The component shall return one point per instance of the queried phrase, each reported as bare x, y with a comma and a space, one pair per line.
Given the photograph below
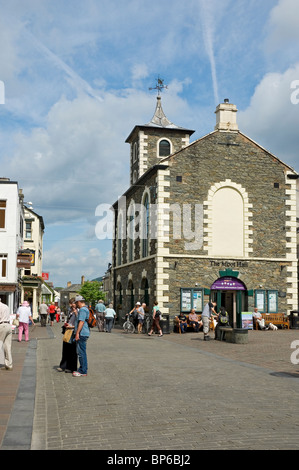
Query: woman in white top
109, 317
24, 315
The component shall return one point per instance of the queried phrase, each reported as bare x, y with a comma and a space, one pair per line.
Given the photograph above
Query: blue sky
77, 78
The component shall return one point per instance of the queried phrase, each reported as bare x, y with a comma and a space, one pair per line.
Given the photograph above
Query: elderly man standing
43, 311
81, 336
5, 335
100, 316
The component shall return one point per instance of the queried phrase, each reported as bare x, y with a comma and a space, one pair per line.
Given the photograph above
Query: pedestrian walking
82, 334
5, 335
156, 319
134, 313
207, 314
24, 316
52, 309
141, 313
100, 316
109, 317
57, 314
43, 312
69, 357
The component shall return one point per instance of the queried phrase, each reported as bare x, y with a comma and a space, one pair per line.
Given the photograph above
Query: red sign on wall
45, 276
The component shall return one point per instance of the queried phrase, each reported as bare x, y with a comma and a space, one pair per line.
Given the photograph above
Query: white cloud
272, 119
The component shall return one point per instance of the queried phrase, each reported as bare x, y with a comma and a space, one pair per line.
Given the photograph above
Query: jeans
183, 327
82, 356
109, 324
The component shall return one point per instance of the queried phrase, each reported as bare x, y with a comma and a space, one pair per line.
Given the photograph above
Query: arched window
135, 152
131, 232
228, 223
119, 239
164, 148
134, 176
145, 226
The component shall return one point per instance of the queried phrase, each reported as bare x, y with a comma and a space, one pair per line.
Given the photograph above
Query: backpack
91, 321
223, 319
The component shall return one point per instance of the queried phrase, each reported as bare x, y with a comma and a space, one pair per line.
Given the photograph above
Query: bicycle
128, 325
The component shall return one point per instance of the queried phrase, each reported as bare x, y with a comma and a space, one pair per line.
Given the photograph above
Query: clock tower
151, 142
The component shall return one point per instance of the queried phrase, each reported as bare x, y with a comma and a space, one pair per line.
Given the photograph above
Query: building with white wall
11, 241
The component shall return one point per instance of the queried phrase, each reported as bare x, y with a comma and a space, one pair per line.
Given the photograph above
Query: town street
166, 394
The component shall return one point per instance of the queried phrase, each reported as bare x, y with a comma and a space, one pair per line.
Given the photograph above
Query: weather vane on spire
160, 85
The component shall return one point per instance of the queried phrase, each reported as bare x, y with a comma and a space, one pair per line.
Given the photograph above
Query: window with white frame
3, 266
28, 232
2, 213
164, 148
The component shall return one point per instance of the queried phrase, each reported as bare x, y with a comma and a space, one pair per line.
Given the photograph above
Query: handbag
68, 336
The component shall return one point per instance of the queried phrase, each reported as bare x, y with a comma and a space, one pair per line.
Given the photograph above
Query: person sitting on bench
222, 320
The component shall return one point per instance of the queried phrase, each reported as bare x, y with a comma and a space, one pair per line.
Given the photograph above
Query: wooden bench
189, 326
275, 318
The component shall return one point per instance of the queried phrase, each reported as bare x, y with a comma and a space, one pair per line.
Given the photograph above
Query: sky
75, 79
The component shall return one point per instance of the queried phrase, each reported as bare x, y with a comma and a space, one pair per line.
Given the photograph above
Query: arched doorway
231, 293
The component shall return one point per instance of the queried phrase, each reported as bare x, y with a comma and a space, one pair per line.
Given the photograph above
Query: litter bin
294, 319
164, 323
240, 336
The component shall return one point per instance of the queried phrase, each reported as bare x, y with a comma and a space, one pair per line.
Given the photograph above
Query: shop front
230, 293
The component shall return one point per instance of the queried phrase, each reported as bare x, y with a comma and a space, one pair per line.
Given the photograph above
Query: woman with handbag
156, 320
69, 358
24, 316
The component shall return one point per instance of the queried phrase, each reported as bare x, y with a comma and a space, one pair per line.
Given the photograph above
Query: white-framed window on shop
3, 266
2, 213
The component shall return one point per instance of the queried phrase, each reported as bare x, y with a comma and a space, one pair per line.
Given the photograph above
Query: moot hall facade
214, 219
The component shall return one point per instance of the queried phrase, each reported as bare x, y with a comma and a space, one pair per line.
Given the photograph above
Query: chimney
226, 117
69, 284
82, 280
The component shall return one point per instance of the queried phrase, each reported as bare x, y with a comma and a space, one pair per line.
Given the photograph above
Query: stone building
212, 219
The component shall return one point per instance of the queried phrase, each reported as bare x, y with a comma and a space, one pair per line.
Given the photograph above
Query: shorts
206, 324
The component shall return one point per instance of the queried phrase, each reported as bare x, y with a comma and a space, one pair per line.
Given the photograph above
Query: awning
228, 283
